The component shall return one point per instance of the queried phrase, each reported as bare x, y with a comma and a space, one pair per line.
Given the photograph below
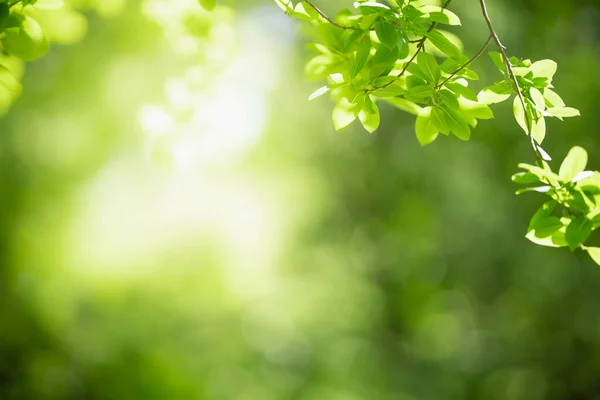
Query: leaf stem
511, 75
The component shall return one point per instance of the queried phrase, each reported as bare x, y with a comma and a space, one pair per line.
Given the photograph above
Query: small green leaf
578, 231
457, 124
538, 98
425, 128
563, 112
443, 44
538, 130
437, 115
544, 68
343, 114
553, 99
369, 115
574, 163
429, 67
462, 90
387, 34
404, 105
448, 99
360, 59
496, 93
525, 177
497, 60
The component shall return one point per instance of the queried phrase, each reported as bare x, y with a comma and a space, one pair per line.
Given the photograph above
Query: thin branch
475, 57
326, 18
511, 75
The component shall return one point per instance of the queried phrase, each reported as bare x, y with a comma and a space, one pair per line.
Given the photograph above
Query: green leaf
538, 98
519, 113
448, 99
538, 129
578, 231
563, 112
525, 178
27, 42
543, 174
462, 90
386, 55
404, 105
457, 124
425, 128
544, 68
360, 59
475, 109
574, 163
553, 99
209, 5
387, 34
443, 44
369, 115
420, 92
343, 114
437, 115
594, 252
496, 93
498, 61
429, 67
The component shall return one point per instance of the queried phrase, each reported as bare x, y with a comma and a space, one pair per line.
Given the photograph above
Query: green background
301, 263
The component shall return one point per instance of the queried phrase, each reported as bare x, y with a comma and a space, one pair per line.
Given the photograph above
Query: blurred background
178, 222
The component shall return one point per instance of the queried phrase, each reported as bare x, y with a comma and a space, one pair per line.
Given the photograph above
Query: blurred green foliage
178, 222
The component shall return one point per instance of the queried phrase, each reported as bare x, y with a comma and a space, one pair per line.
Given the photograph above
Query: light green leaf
563, 112
360, 59
544, 68
425, 128
538, 130
429, 67
574, 163
553, 99
369, 115
343, 114
437, 115
404, 105
458, 126
443, 44
538, 98
475, 109
519, 113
